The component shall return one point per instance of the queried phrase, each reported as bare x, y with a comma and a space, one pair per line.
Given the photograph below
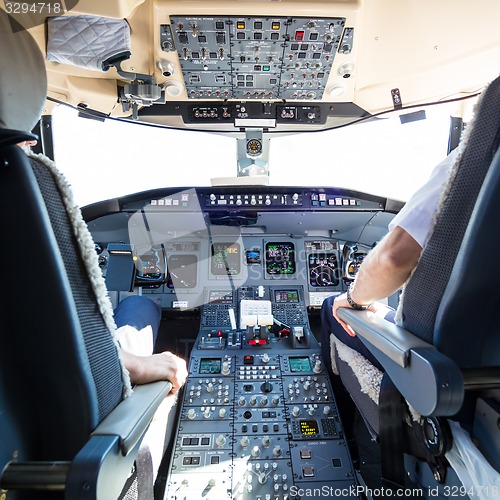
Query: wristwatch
353, 304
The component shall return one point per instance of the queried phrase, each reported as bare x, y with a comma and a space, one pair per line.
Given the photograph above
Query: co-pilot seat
445, 361
68, 425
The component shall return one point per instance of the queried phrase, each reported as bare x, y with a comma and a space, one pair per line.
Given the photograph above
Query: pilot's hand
341, 301
162, 366
168, 366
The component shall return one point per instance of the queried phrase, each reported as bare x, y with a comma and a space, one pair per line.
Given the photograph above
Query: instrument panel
187, 239
175, 276
258, 418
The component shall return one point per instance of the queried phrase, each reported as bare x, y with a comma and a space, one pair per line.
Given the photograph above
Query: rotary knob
276, 400
242, 401
262, 478
266, 387
307, 384
244, 441
266, 441
253, 400
210, 387
264, 401
317, 366
220, 440
191, 414
326, 410
296, 411
277, 451
255, 452
222, 412
265, 358
207, 413
225, 368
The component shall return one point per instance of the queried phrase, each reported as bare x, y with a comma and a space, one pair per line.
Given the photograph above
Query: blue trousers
330, 325
139, 312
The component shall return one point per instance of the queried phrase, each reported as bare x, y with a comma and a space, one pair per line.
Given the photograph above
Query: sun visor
89, 42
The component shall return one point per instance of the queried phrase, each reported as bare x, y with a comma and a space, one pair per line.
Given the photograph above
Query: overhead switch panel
256, 57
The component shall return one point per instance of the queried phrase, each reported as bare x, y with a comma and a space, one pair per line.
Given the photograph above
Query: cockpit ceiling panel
251, 57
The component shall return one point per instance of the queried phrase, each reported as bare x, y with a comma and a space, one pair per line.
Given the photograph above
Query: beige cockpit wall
428, 50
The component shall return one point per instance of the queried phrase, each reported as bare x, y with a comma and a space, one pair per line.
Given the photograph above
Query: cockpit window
103, 160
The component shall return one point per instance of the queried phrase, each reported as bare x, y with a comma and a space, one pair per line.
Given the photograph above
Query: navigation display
323, 269
286, 296
280, 258
225, 259
220, 297
182, 271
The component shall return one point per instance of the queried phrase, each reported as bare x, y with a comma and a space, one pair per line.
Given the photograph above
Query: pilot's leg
139, 312
330, 325
138, 321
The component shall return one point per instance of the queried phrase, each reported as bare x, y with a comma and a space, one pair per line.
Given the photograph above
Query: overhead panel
256, 57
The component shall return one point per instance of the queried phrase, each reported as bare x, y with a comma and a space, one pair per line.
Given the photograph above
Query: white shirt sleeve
418, 213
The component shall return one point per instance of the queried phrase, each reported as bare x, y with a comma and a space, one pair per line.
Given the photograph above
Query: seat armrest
130, 419
394, 341
411, 363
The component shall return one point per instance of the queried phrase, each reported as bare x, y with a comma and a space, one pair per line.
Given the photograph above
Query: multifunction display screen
286, 296
280, 258
252, 256
225, 259
220, 297
210, 366
300, 365
323, 269
309, 427
182, 271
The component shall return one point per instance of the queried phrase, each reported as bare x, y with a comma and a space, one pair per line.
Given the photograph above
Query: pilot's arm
389, 265
384, 271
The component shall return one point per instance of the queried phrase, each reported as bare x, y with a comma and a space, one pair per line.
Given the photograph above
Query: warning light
266, 68
299, 36
276, 26
240, 25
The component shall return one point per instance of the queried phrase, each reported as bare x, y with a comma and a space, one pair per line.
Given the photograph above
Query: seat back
424, 291
60, 373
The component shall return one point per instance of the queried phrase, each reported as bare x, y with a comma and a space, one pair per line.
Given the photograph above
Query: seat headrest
23, 79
